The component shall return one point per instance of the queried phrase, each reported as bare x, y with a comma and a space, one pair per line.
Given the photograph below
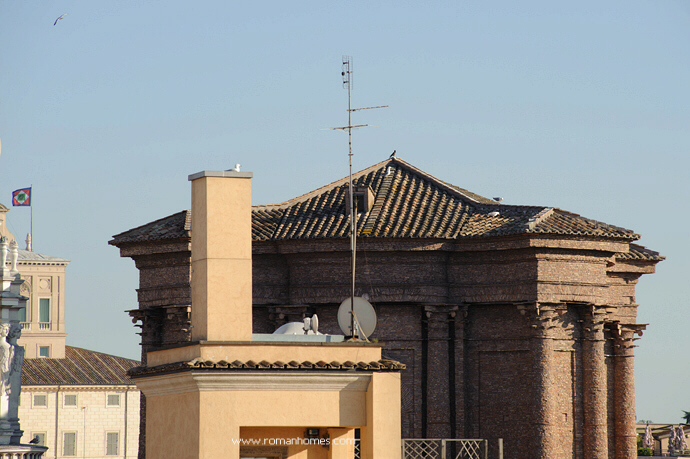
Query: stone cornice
192, 381
77, 388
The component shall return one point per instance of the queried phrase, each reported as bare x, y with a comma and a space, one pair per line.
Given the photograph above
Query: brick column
459, 389
438, 366
545, 436
594, 386
624, 394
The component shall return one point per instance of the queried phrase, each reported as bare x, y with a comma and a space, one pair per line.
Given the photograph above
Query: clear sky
583, 106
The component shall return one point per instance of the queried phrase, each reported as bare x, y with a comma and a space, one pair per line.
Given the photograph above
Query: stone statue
17, 359
6, 359
11, 356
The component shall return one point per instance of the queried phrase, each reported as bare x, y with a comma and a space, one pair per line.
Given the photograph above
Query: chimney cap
229, 173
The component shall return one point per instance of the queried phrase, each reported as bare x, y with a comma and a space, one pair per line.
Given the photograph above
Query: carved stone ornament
45, 284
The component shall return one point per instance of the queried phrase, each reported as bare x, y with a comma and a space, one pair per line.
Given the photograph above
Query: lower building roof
80, 367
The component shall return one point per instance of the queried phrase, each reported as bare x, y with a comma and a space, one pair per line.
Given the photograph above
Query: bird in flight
59, 18
393, 154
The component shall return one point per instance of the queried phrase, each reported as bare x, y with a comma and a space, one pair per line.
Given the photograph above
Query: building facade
79, 403
43, 321
514, 322
82, 405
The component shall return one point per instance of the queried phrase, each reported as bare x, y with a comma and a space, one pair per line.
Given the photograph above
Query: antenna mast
347, 84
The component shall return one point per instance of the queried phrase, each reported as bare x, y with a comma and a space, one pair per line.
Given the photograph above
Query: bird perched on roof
236, 168
59, 18
35, 440
392, 154
497, 199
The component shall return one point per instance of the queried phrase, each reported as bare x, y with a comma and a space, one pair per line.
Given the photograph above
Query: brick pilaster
546, 438
438, 370
595, 397
459, 353
624, 393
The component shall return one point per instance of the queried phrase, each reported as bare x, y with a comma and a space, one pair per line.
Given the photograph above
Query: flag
21, 197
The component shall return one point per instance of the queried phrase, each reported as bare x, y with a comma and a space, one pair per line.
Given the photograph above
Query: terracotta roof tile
79, 367
174, 226
408, 203
197, 364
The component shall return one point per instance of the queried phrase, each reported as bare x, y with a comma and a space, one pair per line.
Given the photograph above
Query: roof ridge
538, 218
445, 185
381, 196
316, 192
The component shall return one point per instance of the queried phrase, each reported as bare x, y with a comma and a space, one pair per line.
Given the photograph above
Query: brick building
514, 322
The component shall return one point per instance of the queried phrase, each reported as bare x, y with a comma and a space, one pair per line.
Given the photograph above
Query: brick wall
494, 332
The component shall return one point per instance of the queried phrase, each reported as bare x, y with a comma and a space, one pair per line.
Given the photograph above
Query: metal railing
429, 448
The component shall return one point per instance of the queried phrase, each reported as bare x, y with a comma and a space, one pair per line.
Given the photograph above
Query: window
40, 400
69, 443
44, 310
41, 438
44, 351
113, 400
363, 198
22, 315
112, 443
70, 400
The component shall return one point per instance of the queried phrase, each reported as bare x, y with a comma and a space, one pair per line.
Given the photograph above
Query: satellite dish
364, 314
290, 328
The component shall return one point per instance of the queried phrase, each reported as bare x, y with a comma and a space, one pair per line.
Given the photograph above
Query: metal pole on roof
347, 75
347, 83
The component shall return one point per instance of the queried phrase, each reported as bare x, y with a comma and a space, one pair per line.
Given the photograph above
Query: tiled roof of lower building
28, 256
380, 365
407, 203
80, 367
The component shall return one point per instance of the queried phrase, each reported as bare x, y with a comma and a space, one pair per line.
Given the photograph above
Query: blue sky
581, 106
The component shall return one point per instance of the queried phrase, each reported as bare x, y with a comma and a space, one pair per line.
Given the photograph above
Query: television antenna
347, 84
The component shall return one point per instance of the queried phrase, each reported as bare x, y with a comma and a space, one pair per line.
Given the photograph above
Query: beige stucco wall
284, 352
222, 258
382, 431
97, 419
197, 414
172, 426
43, 280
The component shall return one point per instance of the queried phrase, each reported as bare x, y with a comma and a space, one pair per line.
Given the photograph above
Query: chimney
221, 256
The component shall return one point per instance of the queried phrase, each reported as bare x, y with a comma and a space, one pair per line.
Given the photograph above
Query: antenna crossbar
366, 108
345, 128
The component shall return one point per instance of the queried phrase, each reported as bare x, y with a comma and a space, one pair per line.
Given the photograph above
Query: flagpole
31, 225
